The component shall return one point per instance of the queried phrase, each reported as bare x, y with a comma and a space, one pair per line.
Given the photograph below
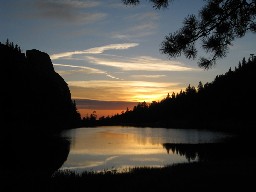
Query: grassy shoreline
196, 176
234, 174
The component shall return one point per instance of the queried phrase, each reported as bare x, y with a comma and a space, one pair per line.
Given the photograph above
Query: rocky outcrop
34, 97
39, 60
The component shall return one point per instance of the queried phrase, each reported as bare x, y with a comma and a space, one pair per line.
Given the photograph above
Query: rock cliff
33, 96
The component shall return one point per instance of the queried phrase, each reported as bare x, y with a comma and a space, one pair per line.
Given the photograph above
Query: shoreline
198, 176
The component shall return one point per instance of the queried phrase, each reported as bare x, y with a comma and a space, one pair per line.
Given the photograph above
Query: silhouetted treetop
217, 25
158, 4
11, 46
224, 103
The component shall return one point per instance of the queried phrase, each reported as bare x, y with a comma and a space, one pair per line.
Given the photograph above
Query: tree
200, 86
156, 3
7, 42
93, 116
218, 24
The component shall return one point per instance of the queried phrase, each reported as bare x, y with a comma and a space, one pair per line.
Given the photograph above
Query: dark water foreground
29, 160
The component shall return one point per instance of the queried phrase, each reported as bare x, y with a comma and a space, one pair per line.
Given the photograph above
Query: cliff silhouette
33, 96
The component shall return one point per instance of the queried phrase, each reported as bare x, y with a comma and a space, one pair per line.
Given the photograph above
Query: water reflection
230, 149
30, 159
118, 147
187, 150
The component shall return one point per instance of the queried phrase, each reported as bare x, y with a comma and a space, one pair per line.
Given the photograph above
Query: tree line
225, 103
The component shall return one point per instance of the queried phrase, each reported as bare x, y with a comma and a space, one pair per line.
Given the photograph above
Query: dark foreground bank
201, 176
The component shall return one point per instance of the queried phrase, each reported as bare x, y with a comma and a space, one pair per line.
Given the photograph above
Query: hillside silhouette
33, 96
227, 103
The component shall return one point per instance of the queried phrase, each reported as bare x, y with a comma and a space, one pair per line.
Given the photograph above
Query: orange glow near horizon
98, 93
111, 147
129, 91
99, 112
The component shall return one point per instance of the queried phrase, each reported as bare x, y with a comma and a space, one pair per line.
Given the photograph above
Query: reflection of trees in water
187, 150
29, 160
211, 151
150, 136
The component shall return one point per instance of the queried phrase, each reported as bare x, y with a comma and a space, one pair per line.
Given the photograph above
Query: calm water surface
120, 148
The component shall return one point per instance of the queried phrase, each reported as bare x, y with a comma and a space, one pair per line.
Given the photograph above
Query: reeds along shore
198, 176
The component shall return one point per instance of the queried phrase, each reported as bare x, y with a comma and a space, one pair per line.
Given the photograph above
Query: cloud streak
65, 4
148, 76
87, 70
68, 10
95, 50
135, 91
141, 63
144, 24
103, 105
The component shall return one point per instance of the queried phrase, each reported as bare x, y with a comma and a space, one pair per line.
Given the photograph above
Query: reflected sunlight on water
103, 148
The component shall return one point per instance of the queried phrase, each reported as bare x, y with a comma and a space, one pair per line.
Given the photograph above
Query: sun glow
100, 112
105, 142
148, 98
133, 91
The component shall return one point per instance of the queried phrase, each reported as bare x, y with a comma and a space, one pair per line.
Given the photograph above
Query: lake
121, 148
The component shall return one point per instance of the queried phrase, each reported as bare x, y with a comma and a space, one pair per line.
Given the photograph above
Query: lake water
121, 148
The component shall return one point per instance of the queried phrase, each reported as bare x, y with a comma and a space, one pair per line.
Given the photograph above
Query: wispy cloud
135, 91
68, 10
148, 76
144, 16
103, 105
144, 24
87, 69
95, 50
84, 69
65, 4
145, 63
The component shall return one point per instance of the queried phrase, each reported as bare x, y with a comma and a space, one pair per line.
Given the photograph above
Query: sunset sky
107, 52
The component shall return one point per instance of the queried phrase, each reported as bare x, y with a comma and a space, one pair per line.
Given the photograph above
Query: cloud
145, 63
143, 27
83, 69
149, 16
134, 91
68, 10
129, 36
140, 63
95, 50
103, 105
144, 24
148, 76
118, 84
65, 4
87, 69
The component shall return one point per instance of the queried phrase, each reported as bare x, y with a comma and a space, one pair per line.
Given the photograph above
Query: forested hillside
228, 102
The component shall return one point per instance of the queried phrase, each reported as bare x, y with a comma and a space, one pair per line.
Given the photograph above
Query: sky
108, 53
